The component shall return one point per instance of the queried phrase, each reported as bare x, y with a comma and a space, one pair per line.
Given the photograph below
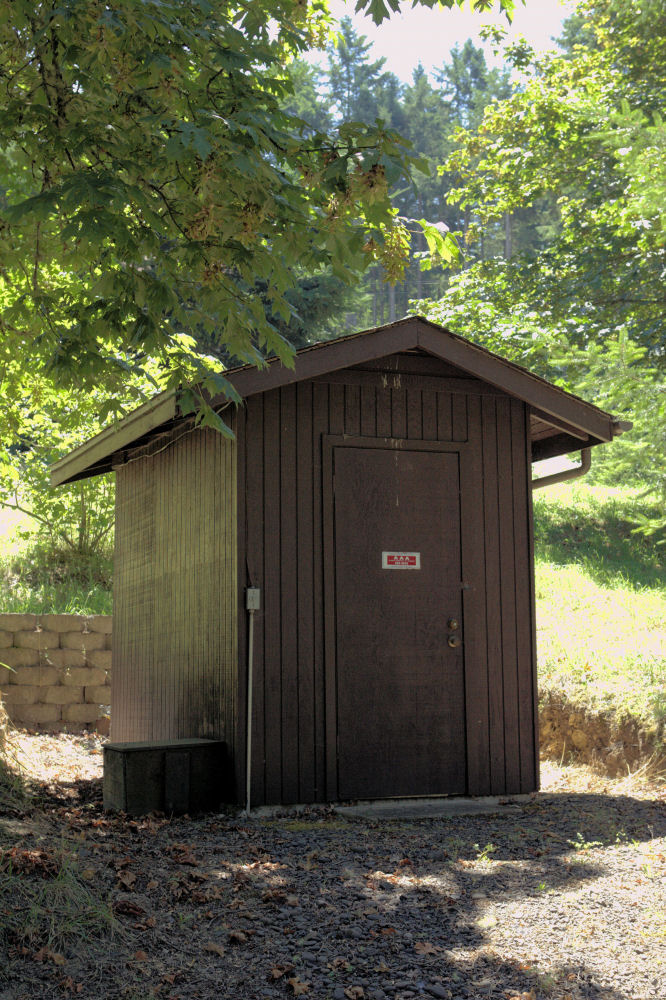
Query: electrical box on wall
253, 599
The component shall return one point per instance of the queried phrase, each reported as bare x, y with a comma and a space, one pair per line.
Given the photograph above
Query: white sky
427, 36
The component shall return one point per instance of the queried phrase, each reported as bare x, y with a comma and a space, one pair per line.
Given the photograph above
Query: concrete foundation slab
430, 808
406, 809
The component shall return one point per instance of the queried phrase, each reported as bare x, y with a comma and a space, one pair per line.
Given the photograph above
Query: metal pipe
252, 604
566, 474
248, 752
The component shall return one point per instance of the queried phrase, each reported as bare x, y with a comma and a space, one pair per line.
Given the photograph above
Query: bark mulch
562, 896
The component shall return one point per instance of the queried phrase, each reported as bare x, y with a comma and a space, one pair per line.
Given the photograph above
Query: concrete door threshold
414, 808
430, 808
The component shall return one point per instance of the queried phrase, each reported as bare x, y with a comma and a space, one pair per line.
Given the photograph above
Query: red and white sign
401, 560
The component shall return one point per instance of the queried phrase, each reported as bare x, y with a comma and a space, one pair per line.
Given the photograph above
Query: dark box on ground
173, 776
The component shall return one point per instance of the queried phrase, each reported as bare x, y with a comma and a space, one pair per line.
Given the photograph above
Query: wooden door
397, 585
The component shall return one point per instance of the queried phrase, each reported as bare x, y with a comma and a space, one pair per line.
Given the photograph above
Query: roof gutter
618, 427
562, 477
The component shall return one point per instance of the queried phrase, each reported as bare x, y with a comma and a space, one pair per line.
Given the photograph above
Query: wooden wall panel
304, 617
492, 518
528, 717
474, 596
282, 547
507, 550
272, 599
175, 612
320, 425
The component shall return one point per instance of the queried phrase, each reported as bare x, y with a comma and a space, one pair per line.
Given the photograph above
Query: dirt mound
614, 746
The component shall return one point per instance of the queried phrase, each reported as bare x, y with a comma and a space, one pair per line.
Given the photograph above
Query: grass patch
39, 578
601, 604
12, 784
45, 902
593, 528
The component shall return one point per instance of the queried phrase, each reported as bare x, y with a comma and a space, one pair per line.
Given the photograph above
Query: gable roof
560, 421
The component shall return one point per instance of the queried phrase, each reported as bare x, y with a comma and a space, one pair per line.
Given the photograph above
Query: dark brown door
400, 690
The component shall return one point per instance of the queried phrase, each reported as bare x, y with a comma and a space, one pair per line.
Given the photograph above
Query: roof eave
85, 460
578, 420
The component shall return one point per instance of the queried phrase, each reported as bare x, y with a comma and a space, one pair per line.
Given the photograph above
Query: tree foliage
583, 135
152, 172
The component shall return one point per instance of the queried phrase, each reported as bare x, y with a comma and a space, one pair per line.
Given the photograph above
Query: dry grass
648, 781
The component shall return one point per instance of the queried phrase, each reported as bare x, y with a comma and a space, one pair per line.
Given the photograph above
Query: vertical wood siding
175, 652
280, 550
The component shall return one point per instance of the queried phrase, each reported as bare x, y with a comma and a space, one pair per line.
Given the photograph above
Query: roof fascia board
516, 382
323, 359
561, 425
141, 421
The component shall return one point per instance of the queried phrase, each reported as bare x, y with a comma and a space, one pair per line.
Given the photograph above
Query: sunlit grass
37, 578
601, 603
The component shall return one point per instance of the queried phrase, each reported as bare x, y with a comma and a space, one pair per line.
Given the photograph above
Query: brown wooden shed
379, 496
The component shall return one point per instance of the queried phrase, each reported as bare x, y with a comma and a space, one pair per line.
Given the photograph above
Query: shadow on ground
549, 901
606, 546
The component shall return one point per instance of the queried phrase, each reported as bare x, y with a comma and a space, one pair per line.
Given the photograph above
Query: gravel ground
562, 896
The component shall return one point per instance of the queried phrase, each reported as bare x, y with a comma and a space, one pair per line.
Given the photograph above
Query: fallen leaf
275, 895
237, 937
278, 971
29, 862
144, 925
339, 963
127, 879
69, 986
172, 977
354, 993
140, 956
292, 901
88, 874
45, 954
387, 930
128, 908
217, 949
425, 948
298, 987
152, 884
182, 854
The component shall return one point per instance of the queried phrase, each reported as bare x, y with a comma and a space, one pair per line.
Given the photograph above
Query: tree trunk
374, 297
508, 247
420, 240
466, 222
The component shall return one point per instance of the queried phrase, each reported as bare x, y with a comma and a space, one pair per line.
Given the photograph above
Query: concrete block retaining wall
55, 671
